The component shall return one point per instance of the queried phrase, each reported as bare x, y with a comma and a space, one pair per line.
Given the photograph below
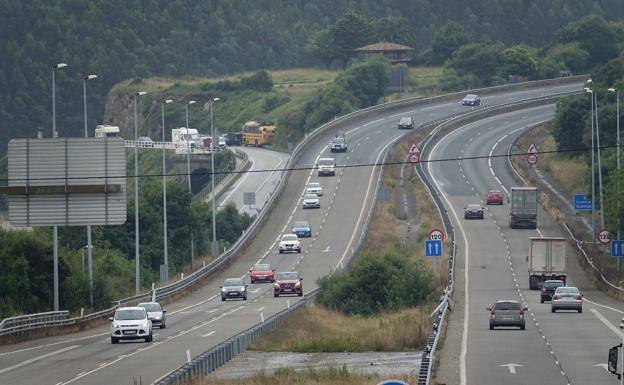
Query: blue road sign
581, 203
433, 248
617, 249
392, 382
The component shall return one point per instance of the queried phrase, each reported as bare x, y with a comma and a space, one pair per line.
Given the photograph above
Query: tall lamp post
55, 67
188, 170
602, 224
165, 277
593, 188
137, 271
89, 245
215, 246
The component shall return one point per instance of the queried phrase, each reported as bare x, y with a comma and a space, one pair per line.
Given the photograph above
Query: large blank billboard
67, 182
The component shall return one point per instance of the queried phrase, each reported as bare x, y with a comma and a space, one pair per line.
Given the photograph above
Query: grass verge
332, 375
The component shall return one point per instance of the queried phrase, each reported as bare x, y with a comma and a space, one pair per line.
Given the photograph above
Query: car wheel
580, 310
275, 295
162, 326
522, 327
553, 310
114, 340
281, 251
491, 327
149, 338
245, 298
299, 250
222, 298
300, 294
542, 300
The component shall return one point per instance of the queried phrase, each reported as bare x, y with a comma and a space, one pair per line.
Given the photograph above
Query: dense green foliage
360, 86
377, 283
118, 40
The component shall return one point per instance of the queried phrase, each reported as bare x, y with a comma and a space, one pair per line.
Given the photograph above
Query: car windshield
567, 290
474, 207
151, 307
301, 225
471, 96
310, 196
289, 237
326, 162
130, 314
338, 140
233, 282
261, 267
405, 121
287, 276
507, 306
314, 184
553, 283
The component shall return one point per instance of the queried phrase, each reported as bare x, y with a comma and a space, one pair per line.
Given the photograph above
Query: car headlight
114, 326
276, 286
223, 290
243, 288
157, 318
298, 284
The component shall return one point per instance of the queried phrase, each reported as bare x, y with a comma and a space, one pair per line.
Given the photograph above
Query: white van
326, 166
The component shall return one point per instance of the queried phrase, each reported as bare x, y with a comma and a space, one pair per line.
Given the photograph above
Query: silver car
156, 313
507, 313
567, 298
311, 201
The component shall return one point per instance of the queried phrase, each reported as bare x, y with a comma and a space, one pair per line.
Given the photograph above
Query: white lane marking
464, 341
275, 169
260, 308
605, 306
153, 345
373, 122
193, 305
55, 343
38, 358
240, 182
608, 324
368, 190
208, 334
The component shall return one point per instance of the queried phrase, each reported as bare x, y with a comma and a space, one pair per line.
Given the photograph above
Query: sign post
414, 154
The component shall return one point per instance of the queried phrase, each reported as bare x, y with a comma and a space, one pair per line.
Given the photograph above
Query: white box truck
547, 259
523, 208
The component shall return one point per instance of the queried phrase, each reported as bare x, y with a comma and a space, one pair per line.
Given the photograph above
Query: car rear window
405, 121
474, 207
261, 267
152, 307
301, 224
567, 290
507, 306
553, 284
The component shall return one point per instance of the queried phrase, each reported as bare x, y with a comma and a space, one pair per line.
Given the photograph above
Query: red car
494, 197
262, 272
288, 283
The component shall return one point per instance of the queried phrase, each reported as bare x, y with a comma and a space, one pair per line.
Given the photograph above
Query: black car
473, 211
234, 139
406, 122
548, 289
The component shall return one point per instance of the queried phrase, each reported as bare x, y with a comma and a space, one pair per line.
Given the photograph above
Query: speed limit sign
436, 235
414, 157
604, 237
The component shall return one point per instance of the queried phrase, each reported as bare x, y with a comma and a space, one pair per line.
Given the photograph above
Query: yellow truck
258, 133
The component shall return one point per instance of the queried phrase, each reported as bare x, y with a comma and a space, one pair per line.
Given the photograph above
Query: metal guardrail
181, 148
193, 278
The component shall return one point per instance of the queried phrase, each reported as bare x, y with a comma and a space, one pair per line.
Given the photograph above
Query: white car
567, 298
289, 242
130, 323
326, 166
314, 188
311, 201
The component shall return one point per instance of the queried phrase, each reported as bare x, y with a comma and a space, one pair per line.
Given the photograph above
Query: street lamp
622, 335
188, 170
55, 228
165, 277
215, 246
86, 134
591, 94
137, 271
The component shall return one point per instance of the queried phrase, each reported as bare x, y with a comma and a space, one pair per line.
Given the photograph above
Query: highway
260, 183
200, 320
556, 348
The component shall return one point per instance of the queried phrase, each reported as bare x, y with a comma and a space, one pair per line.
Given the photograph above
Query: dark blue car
471, 100
302, 229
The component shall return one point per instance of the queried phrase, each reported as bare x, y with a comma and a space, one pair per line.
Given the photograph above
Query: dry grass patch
317, 329
330, 376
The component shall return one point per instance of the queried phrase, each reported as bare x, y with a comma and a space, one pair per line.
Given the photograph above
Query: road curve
261, 183
561, 348
200, 320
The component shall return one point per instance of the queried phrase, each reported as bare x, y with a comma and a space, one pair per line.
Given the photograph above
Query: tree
351, 31
446, 40
571, 55
518, 60
479, 59
594, 35
366, 81
395, 29
323, 46
570, 120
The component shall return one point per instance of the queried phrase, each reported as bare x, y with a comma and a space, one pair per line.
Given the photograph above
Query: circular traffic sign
436, 235
532, 159
604, 237
414, 157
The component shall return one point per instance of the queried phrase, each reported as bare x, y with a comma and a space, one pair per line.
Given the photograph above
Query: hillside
120, 40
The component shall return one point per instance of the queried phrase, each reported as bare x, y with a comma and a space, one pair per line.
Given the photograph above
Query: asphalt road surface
200, 320
556, 348
262, 184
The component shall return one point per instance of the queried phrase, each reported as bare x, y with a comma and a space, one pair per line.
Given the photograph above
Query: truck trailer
523, 208
547, 259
